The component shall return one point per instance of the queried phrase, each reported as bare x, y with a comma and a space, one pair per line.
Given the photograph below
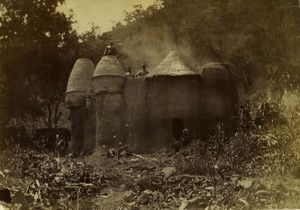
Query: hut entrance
177, 128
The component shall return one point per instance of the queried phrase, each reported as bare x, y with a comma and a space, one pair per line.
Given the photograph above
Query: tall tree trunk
49, 115
57, 114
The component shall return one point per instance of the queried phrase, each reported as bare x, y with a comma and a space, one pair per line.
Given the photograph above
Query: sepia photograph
149, 104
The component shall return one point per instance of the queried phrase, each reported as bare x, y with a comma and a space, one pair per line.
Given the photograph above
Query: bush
270, 148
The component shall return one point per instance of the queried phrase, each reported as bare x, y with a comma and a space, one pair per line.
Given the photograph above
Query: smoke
152, 44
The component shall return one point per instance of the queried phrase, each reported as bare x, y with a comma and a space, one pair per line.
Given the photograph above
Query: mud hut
82, 113
172, 102
150, 113
108, 83
219, 95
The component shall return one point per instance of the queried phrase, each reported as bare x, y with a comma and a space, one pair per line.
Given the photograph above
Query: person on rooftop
142, 72
129, 73
110, 50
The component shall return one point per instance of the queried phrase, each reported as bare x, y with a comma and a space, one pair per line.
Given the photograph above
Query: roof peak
81, 75
109, 65
171, 65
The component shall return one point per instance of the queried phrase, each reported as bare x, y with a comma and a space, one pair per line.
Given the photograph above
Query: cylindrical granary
220, 94
79, 82
89, 142
108, 83
172, 103
82, 113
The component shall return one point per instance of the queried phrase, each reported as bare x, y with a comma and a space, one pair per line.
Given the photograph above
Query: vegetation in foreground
256, 168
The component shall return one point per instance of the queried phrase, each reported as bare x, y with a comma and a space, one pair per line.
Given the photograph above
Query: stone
131, 204
168, 171
209, 188
246, 204
263, 192
235, 178
143, 199
148, 192
258, 185
246, 183
192, 204
128, 196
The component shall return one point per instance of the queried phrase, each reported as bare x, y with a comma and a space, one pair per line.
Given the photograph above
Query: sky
103, 13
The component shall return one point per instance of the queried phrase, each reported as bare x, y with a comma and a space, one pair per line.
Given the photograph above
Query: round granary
219, 93
79, 82
108, 83
109, 75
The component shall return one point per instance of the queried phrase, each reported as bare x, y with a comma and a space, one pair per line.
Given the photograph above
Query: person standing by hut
186, 138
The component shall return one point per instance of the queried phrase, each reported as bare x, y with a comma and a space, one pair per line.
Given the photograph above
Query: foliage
269, 148
91, 45
50, 180
36, 53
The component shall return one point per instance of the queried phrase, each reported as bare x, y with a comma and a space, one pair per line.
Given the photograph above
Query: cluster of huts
151, 112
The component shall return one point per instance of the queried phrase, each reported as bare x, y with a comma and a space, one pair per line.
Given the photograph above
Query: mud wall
169, 98
78, 119
83, 127
135, 109
75, 99
110, 110
89, 128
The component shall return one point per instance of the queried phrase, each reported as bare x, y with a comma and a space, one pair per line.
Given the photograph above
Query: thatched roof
109, 66
171, 66
81, 75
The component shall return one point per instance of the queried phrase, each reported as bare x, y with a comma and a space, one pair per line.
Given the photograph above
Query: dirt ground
248, 192
137, 182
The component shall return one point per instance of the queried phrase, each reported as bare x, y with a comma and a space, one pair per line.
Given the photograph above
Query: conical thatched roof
81, 75
171, 66
109, 66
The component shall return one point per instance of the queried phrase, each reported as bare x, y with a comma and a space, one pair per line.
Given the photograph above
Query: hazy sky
103, 13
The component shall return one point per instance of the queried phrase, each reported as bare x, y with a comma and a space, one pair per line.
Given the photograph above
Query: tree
92, 45
36, 48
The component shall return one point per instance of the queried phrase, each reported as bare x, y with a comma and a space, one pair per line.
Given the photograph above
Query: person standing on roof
142, 72
110, 50
129, 73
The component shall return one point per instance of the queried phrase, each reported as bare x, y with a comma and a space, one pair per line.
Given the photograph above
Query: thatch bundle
171, 66
109, 66
81, 75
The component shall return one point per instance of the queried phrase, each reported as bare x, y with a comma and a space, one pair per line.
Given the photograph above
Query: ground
153, 181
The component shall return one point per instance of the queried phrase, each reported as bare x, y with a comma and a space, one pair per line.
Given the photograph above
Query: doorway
177, 128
